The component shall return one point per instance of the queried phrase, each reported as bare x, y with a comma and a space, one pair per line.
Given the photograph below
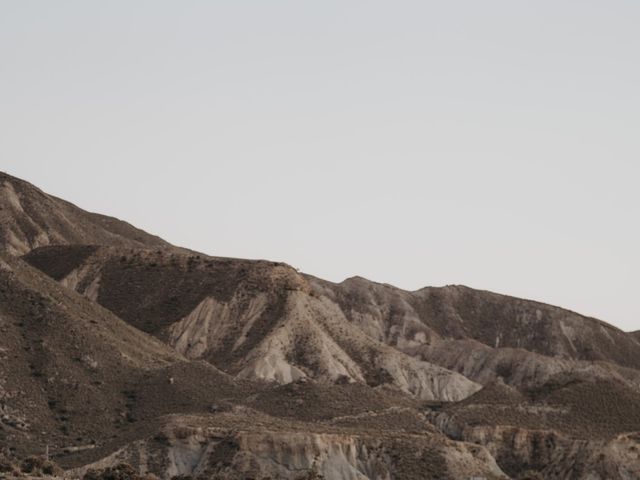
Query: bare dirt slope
30, 218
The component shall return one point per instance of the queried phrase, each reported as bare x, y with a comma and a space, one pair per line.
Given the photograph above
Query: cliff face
551, 455
189, 446
562, 430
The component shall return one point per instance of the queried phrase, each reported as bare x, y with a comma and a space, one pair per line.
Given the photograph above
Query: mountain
30, 218
457, 312
118, 347
89, 388
265, 320
85, 386
252, 319
71, 368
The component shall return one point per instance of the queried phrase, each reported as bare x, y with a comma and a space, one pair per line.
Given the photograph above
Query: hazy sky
494, 144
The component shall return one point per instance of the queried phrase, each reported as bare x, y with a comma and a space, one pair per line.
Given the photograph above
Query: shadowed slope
64, 361
73, 376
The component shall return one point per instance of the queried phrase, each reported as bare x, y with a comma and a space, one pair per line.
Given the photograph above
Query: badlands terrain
119, 348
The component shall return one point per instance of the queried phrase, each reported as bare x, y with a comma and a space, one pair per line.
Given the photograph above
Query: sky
493, 144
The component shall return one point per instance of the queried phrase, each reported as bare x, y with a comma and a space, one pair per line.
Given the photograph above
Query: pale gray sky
494, 144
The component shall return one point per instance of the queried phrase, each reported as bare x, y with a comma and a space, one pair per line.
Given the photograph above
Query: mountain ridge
30, 218
117, 346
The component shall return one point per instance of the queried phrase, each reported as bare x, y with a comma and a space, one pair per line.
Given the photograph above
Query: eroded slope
30, 218
252, 319
408, 319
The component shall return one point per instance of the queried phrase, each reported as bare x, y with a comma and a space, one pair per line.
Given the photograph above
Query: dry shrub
38, 466
122, 471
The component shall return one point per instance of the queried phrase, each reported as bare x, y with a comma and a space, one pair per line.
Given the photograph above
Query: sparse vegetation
100, 376
8, 464
38, 466
530, 475
122, 471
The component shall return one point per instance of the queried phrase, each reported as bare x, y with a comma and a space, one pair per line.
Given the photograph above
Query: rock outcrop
192, 446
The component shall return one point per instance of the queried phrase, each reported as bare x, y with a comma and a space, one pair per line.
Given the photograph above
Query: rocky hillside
70, 368
246, 444
252, 319
565, 429
30, 218
403, 318
265, 320
94, 391
81, 382
117, 347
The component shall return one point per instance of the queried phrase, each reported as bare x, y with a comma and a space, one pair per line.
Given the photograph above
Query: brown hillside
252, 319
80, 381
116, 347
30, 218
71, 372
407, 319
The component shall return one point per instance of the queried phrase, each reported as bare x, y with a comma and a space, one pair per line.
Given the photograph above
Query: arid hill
264, 313
81, 383
252, 319
457, 312
30, 218
117, 347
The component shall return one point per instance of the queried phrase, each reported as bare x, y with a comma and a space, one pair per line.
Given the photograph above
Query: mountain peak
29, 218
